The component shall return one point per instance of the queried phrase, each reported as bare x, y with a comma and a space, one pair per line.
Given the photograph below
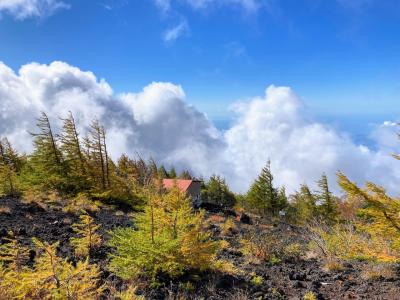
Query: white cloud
23, 9
172, 34
163, 5
159, 122
250, 6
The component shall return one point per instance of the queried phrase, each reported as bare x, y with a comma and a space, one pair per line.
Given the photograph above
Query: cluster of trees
69, 164
265, 199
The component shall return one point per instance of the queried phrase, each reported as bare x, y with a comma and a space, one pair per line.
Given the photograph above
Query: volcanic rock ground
284, 280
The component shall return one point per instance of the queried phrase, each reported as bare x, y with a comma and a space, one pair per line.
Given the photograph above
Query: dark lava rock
245, 219
297, 276
299, 285
3, 232
225, 282
21, 231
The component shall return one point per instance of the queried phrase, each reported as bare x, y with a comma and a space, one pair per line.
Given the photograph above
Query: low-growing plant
309, 296
275, 260
257, 280
228, 227
80, 203
51, 277
226, 266
88, 238
293, 251
344, 242
374, 271
129, 294
262, 246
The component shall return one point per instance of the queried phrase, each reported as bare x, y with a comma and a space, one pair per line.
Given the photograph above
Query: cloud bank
159, 122
23, 9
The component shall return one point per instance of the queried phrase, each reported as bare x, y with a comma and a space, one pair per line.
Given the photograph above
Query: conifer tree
262, 195
10, 165
304, 204
48, 169
170, 238
97, 152
380, 216
282, 198
88, 238
328, 203
162, 172
172, 173
73, 155
51, 277
185, 175
217, 191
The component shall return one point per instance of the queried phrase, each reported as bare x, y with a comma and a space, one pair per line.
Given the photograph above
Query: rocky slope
285, 279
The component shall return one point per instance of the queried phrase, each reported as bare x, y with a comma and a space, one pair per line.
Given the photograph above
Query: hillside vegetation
74, 224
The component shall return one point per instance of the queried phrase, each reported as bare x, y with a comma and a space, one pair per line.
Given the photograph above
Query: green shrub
169, 238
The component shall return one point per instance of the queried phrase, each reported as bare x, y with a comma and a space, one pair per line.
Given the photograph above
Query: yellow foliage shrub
378, 271
50, 278
79, 203
226, 266
346, 243
129, 294
228, 227
170, 238
309, 296
88, 237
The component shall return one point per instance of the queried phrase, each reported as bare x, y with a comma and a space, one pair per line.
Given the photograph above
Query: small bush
309, 296
378, 271
79, 203
51, 277
225, 266
229, 227
333, 266
257, 280
88, 237
170, 238
129, 294
293, 251
263, 247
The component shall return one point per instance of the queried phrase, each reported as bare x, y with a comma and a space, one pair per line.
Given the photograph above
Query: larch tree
73, 155
262, 195
47, 165
185, 175
216, 191
162, 172
304, 203
10, 166
172, 173
97, 152
170, 238
328, 202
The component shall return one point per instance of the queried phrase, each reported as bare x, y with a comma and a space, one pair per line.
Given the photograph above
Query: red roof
183, 184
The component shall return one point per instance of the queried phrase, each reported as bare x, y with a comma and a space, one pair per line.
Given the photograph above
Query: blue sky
341, 56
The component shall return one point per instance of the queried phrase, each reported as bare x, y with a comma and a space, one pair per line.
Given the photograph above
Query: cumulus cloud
159, 122
23, 9
172, 34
